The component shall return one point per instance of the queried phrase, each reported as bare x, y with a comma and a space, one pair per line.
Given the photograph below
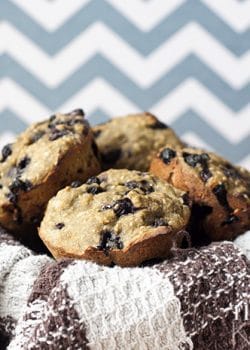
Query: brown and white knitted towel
197, 300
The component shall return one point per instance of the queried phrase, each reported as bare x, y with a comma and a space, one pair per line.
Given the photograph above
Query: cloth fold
196, 300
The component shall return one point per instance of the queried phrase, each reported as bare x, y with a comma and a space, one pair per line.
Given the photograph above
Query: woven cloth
197, 300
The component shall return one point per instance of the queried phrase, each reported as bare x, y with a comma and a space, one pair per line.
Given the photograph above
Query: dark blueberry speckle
158, 125
221, 194
231, 171
107, 206
52, 118
6, 152
143, 185
191, 159
167, 155
60, 225
68, 123
205, 174
13, 172
95, 190
56, 134
16, 171
73, 122
194, 159
108, 241
146, 187
18, 184
76, 184
132, 184
76, 112
93, 180
52, 126
37, 136
24, 163
186, 200
202, 159
123, 207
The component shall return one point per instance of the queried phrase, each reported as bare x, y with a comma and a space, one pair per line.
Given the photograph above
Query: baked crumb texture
120, 216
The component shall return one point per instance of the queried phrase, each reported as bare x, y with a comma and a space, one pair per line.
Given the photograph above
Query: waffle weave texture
196, 300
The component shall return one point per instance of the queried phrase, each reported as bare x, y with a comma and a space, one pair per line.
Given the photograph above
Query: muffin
219, 190
121, 217
45, 158
131, 142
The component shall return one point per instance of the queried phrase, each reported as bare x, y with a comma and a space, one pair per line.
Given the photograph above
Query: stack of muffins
124, 192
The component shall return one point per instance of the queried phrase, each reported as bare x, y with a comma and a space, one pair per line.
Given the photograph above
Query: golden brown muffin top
131, 141
113, 210
28, 161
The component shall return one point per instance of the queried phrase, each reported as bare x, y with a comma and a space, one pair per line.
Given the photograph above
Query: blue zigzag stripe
11, 122
98, 66
98, 116
144, 42
189, 121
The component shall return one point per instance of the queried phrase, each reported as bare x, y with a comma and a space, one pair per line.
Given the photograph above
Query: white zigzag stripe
235, 13
6, 137
245, 162
50, 14
144, 71
196, 141
146, 15
190, 95
15, 98
96, 94
193, 139
193, 95
99, 94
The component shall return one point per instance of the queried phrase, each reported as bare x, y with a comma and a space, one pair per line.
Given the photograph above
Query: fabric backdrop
186, 61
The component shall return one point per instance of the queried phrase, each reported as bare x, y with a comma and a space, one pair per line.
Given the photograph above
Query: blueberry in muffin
119, 217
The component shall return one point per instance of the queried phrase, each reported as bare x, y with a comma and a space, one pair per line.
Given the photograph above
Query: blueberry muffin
119, 217
45, 158
220, 191
131, 142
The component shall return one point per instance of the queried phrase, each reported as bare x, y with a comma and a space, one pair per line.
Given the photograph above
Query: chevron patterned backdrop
186, 61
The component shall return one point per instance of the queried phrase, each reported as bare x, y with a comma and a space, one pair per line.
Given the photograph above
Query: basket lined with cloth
196, 300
